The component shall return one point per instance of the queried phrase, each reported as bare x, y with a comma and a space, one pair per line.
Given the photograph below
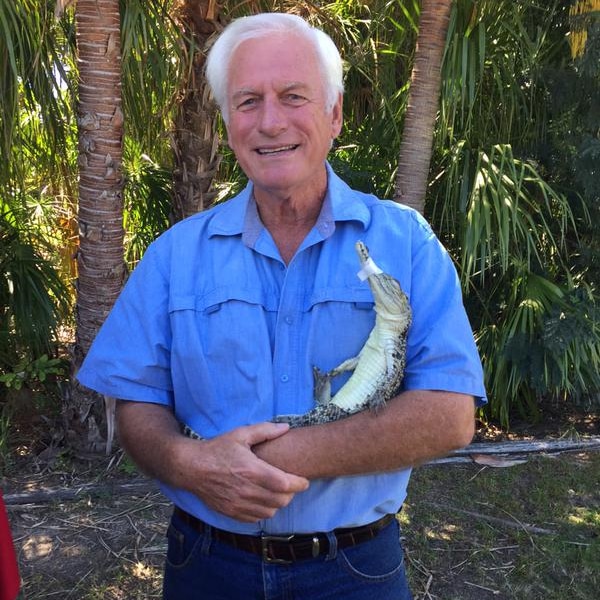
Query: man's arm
223, 472
414, 427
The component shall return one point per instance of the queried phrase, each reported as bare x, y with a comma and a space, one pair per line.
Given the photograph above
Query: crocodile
378, 369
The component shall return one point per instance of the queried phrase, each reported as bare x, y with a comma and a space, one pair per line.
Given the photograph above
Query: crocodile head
390, 300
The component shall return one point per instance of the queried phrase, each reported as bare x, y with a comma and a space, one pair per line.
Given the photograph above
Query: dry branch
521, 447
62, 494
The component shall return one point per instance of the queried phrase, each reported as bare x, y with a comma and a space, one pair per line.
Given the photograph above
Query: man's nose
273, 119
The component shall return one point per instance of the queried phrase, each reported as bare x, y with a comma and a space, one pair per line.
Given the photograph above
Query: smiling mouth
271, 151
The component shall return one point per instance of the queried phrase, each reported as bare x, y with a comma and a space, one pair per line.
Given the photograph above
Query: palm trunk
417, 137
195, 140
581, 15
101, 266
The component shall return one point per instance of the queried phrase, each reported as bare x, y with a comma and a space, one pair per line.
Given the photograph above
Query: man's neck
289, 219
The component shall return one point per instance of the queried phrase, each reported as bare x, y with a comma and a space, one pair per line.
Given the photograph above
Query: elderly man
221, 323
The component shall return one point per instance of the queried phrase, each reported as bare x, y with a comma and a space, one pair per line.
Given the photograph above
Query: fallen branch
466, 455
529, 446
43, 495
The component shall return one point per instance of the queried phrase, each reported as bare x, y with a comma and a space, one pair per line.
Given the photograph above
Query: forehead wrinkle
292, 85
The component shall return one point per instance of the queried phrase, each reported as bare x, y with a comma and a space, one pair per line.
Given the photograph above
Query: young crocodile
379, 366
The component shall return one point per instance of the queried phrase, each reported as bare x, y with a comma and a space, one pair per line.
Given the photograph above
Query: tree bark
195, 141
423, 100
100, 262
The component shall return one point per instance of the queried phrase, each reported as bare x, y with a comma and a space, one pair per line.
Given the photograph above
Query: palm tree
195, 139
423, 105
101, 266
582, 13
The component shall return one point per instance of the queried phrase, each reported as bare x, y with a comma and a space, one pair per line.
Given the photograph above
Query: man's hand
233, 480
224, 472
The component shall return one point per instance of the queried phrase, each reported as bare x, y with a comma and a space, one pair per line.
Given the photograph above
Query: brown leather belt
286, 549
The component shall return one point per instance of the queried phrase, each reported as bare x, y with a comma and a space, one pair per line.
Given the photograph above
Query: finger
262, 432
248, 503
274, 480
271, 477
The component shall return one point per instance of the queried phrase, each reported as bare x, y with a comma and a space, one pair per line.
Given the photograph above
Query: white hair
261, 25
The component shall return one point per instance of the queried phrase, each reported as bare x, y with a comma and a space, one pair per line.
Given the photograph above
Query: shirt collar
239, 216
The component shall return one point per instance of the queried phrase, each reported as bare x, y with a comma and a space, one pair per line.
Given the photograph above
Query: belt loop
206, 540
333, 546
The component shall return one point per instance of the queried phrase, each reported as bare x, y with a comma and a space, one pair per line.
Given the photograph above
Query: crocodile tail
317, 416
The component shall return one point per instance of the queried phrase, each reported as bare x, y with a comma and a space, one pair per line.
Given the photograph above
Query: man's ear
337, 117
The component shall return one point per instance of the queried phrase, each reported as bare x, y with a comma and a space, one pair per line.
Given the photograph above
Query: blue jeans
199, 568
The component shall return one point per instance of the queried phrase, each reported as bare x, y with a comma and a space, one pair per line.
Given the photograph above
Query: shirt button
289, 320
284, 378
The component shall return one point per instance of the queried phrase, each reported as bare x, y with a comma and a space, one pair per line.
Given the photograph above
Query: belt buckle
265, 540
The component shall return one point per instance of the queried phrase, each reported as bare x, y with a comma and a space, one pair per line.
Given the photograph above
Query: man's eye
295, 98
246, 103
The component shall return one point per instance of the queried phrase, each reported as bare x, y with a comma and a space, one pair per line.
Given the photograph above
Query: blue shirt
213, 324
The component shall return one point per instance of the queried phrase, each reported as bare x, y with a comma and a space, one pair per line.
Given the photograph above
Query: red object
9, 571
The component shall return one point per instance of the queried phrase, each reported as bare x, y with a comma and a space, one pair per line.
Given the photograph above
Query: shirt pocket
230, 327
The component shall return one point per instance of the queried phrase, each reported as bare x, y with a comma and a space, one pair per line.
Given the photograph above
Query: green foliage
28, 373
5, 419
34, 51
155, 59
377, 44
127, 466
515, 227
147, 201
33, 298
37, 150
571, 150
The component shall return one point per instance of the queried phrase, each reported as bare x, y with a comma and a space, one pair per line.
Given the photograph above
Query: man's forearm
148, 433
414, 427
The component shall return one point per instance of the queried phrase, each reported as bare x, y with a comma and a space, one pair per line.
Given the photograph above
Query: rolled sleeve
441, 351
130, 356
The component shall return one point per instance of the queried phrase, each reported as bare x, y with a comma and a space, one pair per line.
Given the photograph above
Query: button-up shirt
213, 324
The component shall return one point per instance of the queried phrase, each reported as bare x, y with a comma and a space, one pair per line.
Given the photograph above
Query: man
221, 323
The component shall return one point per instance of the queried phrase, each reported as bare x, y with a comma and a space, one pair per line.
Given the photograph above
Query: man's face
278, 127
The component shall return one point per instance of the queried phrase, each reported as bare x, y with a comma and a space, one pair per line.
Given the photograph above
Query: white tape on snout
369, 268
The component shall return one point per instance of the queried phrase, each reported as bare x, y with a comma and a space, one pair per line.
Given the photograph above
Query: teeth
275, 150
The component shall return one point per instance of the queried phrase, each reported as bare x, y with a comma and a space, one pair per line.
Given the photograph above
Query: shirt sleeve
130, 357
441, 349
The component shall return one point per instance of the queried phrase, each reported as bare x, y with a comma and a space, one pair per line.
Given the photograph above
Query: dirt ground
106, 542
94, 529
